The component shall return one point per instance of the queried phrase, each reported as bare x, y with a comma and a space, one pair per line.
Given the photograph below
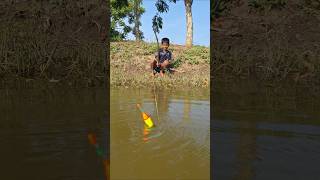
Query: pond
43, 132
265, 133
178, 147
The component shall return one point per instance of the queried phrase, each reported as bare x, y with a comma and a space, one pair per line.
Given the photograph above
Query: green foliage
267, 4
119, 3
196, 55
162, 6
156, 23
176, 63
220, 7
150, 48
121, 9
134, 18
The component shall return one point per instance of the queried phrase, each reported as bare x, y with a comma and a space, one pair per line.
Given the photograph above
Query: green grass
196, 55
28, 55
130, 66
55, 41
276, 64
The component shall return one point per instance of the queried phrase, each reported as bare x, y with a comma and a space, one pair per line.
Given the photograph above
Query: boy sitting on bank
164, 58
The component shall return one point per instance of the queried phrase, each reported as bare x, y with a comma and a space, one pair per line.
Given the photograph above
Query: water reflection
246, 151
44, 130
163, 101
186, 111
176, 148
264, 134
150, 133
100, 152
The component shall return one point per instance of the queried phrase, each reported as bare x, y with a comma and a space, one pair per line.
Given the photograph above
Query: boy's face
165, 46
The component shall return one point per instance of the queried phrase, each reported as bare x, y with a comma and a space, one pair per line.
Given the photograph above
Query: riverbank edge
130, 65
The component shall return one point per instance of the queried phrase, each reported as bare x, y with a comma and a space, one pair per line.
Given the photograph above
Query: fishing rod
158, 49
158, 67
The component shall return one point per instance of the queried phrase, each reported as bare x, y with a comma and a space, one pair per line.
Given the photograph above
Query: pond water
265, 133
257, 133
43, 133
179, 145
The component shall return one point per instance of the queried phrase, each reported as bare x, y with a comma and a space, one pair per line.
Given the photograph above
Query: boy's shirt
166, 55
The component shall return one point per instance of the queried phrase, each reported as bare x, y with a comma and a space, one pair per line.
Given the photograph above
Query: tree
119, 10
162, 7
135, 16
189, 36
122, 9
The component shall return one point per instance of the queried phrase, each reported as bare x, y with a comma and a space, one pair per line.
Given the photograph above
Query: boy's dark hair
165, 40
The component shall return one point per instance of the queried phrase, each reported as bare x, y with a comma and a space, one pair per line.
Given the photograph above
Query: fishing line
154, 86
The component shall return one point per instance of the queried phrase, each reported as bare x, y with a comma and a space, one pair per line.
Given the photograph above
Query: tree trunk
189, 37
136, 29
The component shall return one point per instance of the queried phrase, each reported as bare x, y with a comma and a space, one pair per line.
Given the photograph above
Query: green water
179, 146
265, 132
43, 132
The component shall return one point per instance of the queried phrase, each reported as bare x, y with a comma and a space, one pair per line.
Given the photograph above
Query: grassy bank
275, 63
56, 42
270, 41
29, 56
130, 66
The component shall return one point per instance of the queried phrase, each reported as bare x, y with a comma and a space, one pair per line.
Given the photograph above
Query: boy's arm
170, 56
156, 58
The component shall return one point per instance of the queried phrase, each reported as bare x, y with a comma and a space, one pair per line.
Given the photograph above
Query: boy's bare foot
161, 73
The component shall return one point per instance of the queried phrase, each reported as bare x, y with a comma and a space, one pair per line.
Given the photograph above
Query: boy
164, 58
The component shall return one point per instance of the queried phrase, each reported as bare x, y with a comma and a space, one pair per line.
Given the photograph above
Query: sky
174, 22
